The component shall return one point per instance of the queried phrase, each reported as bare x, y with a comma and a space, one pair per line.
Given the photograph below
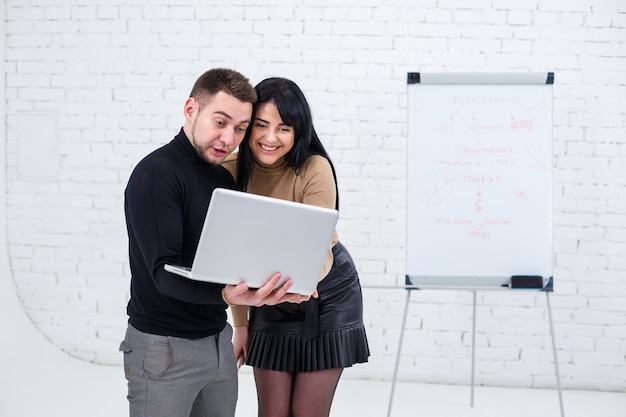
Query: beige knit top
314, 185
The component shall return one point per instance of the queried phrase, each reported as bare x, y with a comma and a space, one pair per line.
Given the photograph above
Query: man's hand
240, 294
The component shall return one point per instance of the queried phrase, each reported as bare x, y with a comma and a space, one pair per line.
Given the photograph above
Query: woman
298, 352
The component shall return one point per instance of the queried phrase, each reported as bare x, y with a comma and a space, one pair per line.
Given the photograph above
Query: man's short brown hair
223, 79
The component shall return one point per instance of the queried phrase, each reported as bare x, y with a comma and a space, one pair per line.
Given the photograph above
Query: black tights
305, 394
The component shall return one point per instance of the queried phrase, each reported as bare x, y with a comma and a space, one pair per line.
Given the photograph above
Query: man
178, 355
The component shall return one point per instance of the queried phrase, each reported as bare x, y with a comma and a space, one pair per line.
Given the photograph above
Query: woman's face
270, 139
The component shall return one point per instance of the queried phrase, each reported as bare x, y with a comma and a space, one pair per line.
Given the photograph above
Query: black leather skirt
323, 333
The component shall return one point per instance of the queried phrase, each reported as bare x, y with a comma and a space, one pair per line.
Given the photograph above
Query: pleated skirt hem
289, 352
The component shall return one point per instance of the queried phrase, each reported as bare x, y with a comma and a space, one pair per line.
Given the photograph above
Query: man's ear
190, 108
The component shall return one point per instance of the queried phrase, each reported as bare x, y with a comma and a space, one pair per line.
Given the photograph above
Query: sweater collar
273, 170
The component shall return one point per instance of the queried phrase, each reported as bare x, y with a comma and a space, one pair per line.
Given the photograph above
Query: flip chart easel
479, 188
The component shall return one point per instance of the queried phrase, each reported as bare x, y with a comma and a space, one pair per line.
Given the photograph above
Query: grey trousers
174, 377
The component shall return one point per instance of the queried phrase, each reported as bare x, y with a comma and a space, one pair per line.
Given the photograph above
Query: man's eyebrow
223, 113
229, 117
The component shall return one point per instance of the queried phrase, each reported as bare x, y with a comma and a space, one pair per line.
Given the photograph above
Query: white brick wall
116, 75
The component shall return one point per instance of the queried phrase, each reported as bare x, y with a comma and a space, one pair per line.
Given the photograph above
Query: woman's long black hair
294, 111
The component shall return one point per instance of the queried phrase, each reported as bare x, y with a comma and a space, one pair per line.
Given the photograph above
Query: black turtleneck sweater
166, 201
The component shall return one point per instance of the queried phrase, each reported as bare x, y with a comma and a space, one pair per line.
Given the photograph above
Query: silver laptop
247, 237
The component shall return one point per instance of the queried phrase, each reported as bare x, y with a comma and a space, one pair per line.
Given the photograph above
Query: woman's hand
240, 344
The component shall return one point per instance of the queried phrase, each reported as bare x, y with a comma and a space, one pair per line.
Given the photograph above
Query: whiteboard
479, 178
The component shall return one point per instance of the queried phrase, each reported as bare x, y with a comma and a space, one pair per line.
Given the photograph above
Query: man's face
218, 128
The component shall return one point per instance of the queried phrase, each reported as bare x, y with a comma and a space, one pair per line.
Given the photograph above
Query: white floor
36, 379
